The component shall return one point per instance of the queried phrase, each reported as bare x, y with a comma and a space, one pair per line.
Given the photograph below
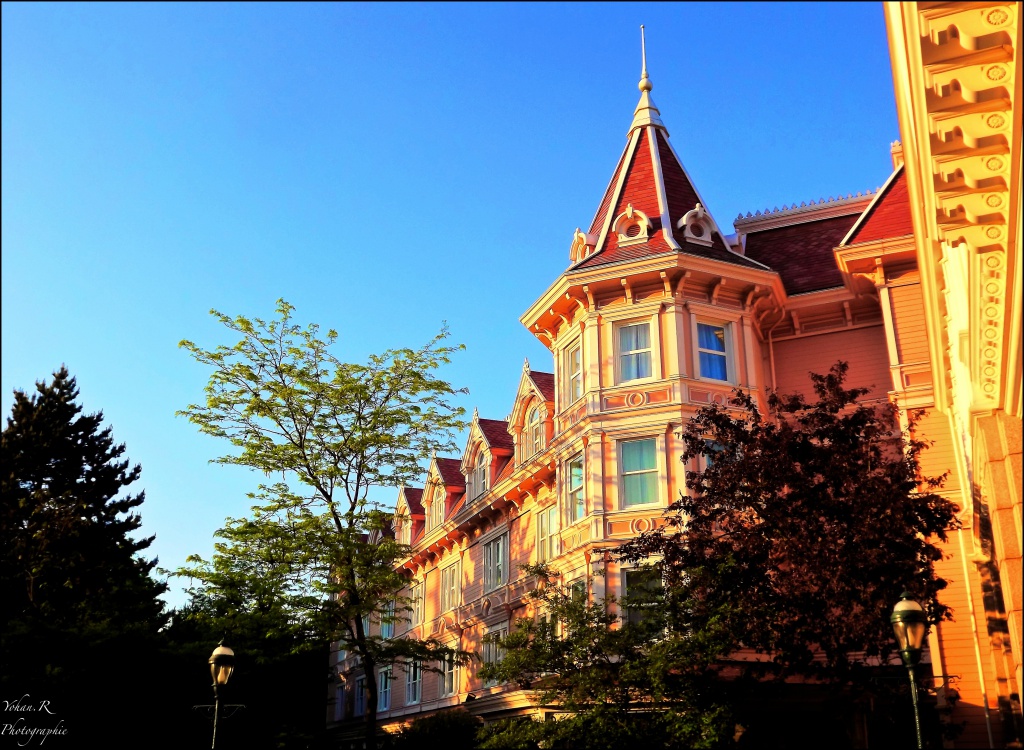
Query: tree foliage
803, 529
77, 594
615, 683
69, 556
317, 552
793, 542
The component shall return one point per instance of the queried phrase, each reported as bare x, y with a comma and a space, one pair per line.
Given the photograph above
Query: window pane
635, 366
642, 588
713, 366
634, 337
637, 455
711, 337
640, 488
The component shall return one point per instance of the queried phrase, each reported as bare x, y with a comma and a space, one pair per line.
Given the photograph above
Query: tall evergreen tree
79, 604
68, 553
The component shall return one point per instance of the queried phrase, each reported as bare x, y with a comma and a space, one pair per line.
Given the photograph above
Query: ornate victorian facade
660, 313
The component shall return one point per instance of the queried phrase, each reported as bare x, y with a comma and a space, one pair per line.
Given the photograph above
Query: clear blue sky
382, 167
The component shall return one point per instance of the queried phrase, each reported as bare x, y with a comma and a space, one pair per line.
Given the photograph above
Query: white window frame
570, 504
643, 312
574, 377
450, 587
479, 474
367, 622
650, 350
547, 533
448, 679
492, 652
437, 508
402, 524
534, 431
728, 354
413, 683
359, 697
495, 554
658, 448
416, 604
384, 689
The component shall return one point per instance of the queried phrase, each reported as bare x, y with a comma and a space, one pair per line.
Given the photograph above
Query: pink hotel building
659, 313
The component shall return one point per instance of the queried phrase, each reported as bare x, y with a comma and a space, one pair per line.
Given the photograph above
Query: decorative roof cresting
646, 112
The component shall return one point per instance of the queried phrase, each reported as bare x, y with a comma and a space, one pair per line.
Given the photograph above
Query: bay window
574, 489
638, 471
634, 351
712, 351
574, 367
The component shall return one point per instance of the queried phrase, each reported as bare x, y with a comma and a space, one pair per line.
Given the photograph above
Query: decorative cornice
957, 71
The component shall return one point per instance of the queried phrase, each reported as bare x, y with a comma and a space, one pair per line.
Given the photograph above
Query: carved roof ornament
646, 112
632, 226
583, 244
696, 226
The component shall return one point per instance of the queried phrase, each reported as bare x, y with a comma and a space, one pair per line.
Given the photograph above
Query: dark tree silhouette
79, 605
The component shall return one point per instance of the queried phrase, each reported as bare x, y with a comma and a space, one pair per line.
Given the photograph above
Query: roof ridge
805, 207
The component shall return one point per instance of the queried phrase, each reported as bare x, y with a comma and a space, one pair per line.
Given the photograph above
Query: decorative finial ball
645, 84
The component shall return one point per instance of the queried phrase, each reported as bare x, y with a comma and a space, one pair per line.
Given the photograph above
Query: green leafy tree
793, 542
331, 430
615, 683
76, 592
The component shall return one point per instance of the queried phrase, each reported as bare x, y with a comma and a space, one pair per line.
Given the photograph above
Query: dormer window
535, 432
404, 525
478, 480
437, 508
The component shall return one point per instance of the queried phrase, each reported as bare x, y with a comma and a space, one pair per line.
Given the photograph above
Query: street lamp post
222, 664
910, 624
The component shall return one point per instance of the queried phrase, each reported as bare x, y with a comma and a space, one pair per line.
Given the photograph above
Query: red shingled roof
889, 216
545, 382
414, 498
496, 433
450, 470
640, 189
802, 253
602, 210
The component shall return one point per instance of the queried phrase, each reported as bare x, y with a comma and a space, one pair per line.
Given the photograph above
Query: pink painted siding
863, 348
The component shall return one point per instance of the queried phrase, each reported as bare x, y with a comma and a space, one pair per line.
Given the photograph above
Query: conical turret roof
651, 206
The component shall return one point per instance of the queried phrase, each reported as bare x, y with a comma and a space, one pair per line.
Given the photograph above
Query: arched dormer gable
488, 448
409, 515
445, 485
534, 404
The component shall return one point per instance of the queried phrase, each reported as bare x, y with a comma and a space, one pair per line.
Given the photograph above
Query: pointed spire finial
645, 82
646, 113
